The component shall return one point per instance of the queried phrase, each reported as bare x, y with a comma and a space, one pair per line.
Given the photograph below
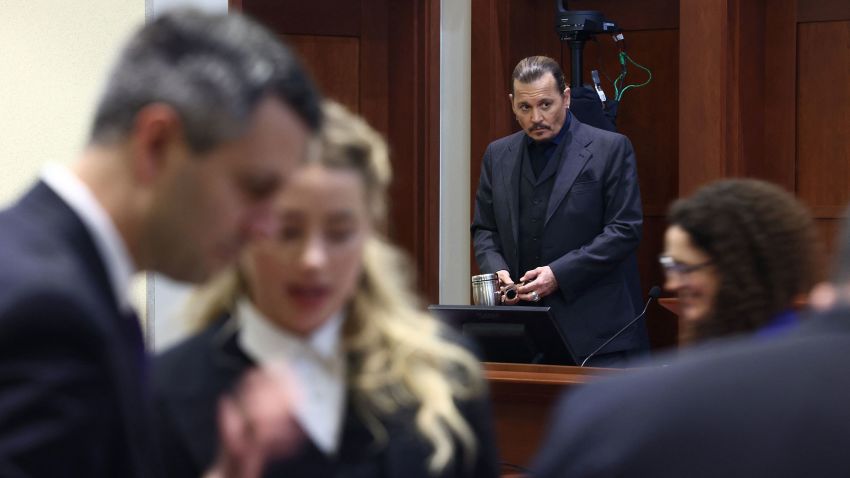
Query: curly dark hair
762, 243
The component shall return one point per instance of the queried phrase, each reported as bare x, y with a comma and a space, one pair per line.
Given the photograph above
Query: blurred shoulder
753, 369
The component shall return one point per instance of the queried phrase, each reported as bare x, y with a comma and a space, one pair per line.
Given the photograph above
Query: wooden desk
523, 398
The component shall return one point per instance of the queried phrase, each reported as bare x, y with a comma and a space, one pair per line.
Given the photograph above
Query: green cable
621, 58
619, 95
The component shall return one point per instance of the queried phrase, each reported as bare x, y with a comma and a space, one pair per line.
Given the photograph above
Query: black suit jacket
190, 378
749, 407
71, 394
591, 232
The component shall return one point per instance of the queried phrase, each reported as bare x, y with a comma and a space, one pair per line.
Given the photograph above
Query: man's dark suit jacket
190, 378
777, 407
71, 394
591, 232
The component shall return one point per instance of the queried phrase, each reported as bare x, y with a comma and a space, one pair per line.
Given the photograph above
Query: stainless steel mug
485, 289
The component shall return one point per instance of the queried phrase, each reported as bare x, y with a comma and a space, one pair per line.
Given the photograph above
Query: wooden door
381, 59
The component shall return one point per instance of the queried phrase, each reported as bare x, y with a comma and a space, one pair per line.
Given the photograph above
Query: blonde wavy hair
400, 358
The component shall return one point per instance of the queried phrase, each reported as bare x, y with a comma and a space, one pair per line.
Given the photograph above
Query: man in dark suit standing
744, 407
201, 120
558, 206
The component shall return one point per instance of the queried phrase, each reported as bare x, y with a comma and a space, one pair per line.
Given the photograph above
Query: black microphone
653, 294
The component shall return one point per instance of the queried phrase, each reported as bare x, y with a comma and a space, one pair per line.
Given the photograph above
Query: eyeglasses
673, 267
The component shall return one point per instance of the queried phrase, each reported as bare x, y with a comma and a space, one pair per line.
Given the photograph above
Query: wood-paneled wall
755, 88
779, 90
381, 59
752, 88
823, 111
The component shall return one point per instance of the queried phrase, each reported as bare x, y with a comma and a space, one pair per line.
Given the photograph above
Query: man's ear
157, 133
567, 97
511, 100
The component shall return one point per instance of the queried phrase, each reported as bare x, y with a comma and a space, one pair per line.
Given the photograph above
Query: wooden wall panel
490, 110
334, 63
702, 104
414, 132
380, 58
779, 160
327, 17
375, 66
822, 10
745, 122
823, 116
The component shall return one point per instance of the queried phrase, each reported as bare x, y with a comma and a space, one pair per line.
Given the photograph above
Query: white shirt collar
119, 265
317, 363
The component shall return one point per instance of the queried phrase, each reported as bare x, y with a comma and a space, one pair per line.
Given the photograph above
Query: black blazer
72, 401
591, 231
189, 379
774, 407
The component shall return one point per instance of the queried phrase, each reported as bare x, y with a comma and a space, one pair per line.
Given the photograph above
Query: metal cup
485, 289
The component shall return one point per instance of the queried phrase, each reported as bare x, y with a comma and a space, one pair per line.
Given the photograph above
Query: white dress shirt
119, 265
317, 363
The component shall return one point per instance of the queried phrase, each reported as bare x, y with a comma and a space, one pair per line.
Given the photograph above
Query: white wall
53, 56
455, 80
156, 7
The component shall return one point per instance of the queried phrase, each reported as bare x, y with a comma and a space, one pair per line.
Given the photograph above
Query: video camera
578, 25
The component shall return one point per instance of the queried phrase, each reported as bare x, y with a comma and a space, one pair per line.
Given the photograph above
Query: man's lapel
512, 164
574, 156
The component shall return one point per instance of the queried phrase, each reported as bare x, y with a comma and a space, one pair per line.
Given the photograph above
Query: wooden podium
524, 397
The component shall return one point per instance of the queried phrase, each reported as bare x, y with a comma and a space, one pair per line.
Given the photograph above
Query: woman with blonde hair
385, 389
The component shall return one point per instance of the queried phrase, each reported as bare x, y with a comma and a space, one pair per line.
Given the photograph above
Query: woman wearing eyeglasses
737, 253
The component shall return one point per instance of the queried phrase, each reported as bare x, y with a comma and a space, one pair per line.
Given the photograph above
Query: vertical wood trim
703, 70
374, 63
780, 92
733, 160
489, 40
431, 149
414, 84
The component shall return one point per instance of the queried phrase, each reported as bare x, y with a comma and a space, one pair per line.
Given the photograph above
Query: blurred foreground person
201, 120
384, 390
737, 253
738, 407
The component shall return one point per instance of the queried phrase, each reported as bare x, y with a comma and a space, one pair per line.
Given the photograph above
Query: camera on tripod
578, 25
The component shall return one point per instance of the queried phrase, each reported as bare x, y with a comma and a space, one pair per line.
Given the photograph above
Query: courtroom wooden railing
523, 398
